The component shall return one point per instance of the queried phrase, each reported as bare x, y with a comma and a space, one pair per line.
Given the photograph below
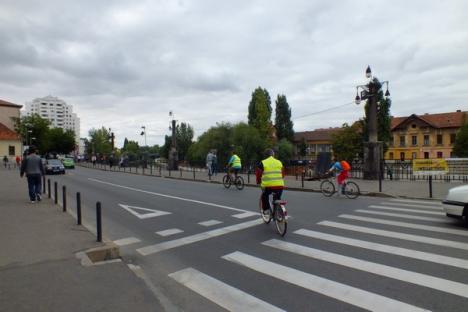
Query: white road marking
399, 215
397, 235
169, 232
406, 276
196, 238
126, 241
224, 295
407, 225
335, 290
439, 208
404, 252
245, 215
169, 196
426, 202
152, 212
438, 213
210, 222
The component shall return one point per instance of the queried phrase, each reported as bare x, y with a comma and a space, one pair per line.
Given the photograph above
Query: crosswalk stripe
406, 276
245, 215
399, 215
345, 293
404, 252
126, 241
397, 235
169, 232
147, 250
426, 202
438, 213
224, 295
439, 208
407, 225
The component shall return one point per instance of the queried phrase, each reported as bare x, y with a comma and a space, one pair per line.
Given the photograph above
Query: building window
439, 155
439, 139
426, 155
391, 140
453, 136
414, 155
414, 140
426, 140
402, 140
11, 150
402, 155
390, 155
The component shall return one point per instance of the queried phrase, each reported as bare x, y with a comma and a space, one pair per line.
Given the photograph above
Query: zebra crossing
403, 217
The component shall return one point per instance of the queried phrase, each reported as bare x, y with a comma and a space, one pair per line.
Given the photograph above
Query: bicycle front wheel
266, 214
280, 220
239, 183
327, 188
351, 190
227, 181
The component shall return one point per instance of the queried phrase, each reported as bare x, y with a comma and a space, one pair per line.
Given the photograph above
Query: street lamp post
173, 156
373, 152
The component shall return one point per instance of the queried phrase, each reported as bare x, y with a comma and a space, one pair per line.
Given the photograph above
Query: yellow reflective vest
235, 161
272, 172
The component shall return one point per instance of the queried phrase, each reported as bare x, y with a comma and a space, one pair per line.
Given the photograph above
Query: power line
323, 111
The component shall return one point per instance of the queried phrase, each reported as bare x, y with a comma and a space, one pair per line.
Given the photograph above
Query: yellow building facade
425, 136
10, 142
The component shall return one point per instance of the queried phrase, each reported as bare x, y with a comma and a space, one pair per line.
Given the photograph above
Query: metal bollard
78, 208
43, 185
151, 169
98, 222
64, 198
430, 186
160, 168
48, 188
248, 176
194, 173
302, 179
180, 172
55, 193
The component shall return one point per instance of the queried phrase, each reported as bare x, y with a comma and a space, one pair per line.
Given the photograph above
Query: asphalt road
201, 247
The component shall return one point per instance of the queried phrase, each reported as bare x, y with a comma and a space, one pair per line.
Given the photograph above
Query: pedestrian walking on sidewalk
33, 168
5, 161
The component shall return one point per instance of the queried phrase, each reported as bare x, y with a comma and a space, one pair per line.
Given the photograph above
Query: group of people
212, 163
6, 161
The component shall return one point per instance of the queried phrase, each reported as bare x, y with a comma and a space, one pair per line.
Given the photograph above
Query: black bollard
64, 198
43, 185
78, 208
430, 186
55, 193
48, 188
194, 173
302, 179
98, 222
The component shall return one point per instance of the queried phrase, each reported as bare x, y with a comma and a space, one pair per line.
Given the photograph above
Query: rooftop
442, 120
7, 134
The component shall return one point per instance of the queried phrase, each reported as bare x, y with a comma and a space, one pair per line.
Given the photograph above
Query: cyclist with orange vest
270, 174
342, 168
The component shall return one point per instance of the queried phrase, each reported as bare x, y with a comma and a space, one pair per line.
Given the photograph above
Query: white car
456, 202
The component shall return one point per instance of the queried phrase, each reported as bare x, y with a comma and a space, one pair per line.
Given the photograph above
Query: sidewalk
390, 188
39, 269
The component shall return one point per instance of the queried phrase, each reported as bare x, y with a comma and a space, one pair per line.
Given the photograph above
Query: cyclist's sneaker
38, 197
266, 212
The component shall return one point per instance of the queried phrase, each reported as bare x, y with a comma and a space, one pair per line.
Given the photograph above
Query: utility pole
173, 157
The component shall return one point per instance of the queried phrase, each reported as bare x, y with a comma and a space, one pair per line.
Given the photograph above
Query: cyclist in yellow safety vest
234, 164
270, 174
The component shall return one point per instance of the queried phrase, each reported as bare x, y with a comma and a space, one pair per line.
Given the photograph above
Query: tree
283, 123
184, 137
247, 143
348, 142
302, 148
285, 151
260, 113
100, 141
33, 130
460, 147
383, 120
60, 141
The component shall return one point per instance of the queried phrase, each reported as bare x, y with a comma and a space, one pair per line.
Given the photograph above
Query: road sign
143, 213
430, 166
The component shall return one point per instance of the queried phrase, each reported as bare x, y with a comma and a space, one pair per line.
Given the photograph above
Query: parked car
68, 163
54, 166
456, 202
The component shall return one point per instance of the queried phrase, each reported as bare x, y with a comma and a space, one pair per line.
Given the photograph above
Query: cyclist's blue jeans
265, 195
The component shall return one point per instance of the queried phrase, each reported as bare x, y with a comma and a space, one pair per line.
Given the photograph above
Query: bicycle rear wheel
280, 219
239, 183
351, 190
227, 181
266, 214
327, 188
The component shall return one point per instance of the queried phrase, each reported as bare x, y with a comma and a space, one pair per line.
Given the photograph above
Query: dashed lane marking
126, 241
169, 232
210, 222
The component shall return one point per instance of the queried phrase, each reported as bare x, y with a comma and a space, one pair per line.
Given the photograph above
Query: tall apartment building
59, 113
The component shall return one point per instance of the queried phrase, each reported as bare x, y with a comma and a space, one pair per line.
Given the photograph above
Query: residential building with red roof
318, 140
10, 142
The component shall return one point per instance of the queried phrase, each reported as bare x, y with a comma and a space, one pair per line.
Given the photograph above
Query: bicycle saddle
280, 202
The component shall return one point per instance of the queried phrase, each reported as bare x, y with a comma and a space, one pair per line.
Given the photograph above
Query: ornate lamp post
373, 153
173, 155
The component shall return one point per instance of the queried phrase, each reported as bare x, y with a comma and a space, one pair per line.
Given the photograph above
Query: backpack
345, 165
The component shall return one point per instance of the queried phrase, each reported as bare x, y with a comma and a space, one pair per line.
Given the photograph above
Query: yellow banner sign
430, 166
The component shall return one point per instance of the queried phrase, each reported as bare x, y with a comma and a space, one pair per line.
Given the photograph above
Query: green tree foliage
33, 130
60, 141
347, 143
383, 120
166, 147
460, 147
130, 146
285, 151
100, 142
302, 148
184, 137
247, 143
260, 113
283, 123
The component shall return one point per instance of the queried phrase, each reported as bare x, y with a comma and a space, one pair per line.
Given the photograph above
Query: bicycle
277, 213
350, 188
238, 181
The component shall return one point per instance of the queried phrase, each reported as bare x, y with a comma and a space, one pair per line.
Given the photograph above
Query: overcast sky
125, 64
